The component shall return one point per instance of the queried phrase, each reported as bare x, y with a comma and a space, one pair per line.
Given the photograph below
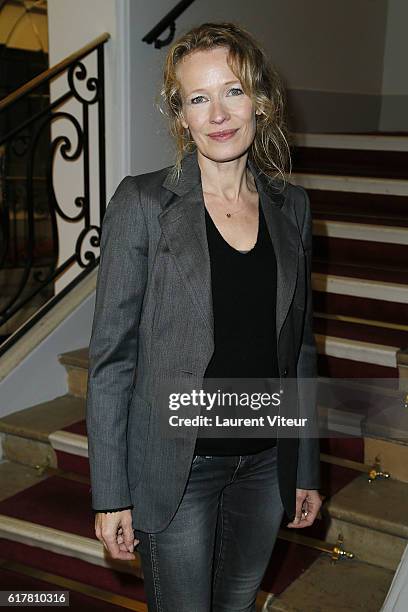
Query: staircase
45, 472
358, 188
360, 296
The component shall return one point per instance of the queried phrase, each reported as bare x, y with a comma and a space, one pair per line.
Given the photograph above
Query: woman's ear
183, 121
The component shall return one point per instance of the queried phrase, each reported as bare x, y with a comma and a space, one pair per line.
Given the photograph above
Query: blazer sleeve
113, 345
308, 471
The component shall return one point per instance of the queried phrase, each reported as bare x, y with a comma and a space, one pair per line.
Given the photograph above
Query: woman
204, 273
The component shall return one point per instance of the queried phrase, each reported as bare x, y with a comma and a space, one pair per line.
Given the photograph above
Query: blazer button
285, 372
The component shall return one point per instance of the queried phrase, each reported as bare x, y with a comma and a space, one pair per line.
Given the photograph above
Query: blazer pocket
137, 437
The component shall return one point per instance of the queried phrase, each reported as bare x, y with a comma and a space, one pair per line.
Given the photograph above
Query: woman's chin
223, 153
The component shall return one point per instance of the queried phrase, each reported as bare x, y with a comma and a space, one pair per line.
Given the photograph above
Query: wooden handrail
48, 74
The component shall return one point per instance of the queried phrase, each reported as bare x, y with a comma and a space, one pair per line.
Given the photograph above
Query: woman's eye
236, 91
197, 99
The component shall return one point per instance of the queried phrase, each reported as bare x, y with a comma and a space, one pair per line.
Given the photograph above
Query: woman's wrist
113, 510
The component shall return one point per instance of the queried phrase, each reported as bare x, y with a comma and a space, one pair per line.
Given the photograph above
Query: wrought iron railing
29, 206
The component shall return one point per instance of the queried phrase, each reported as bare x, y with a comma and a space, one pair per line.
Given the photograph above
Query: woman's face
214, 102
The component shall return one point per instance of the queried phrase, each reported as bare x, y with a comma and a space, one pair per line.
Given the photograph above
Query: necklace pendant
228, 214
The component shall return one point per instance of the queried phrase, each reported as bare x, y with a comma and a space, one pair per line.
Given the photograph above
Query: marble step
346, 586
76, 364
372, 518
363, 155
359, 207
386, 437
25, 435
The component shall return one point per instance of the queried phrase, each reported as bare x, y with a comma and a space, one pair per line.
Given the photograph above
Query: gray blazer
153, 319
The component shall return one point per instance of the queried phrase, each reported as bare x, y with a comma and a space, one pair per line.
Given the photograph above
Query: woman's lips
224, 135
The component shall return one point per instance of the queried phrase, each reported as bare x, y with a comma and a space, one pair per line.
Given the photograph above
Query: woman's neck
230, 181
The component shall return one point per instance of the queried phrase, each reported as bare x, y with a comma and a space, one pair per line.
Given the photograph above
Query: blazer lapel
285, 238
183, 224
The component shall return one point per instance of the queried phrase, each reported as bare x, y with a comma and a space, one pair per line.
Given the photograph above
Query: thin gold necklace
229, 214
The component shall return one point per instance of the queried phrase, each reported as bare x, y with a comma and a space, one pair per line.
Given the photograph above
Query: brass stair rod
334, 550
341, 461
51, 471
373, 471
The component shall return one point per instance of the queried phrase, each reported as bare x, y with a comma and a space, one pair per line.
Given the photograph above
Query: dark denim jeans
214, 553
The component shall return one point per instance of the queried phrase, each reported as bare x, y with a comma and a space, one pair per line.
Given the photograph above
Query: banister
39, 266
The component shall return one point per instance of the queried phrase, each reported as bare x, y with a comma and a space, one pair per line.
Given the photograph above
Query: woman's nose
218, 112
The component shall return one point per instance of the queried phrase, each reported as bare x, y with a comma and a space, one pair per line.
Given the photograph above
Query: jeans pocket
200, 458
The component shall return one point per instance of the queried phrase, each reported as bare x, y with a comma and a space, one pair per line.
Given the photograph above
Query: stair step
77, 358
372, 516
38, 421
352, 207
357, 350
348, 330
364, 272
363, 141
26, 432
76, 365
362, 287
391, 423
370, 259
353, 408
392, 454
350, 307
346, 586
347, 358
362, 232
350, 162
386, 437
351, 183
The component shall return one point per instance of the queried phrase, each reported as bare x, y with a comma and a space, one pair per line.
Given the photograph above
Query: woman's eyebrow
204, 88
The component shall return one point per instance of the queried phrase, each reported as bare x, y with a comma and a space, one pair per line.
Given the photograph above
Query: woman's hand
308, 502
115, 531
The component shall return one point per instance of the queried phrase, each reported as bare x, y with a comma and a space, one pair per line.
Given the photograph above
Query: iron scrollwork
29, 208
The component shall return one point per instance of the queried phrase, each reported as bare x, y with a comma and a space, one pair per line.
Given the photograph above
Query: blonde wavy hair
269, 150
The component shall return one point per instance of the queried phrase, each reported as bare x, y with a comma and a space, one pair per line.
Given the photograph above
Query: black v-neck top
244, 305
